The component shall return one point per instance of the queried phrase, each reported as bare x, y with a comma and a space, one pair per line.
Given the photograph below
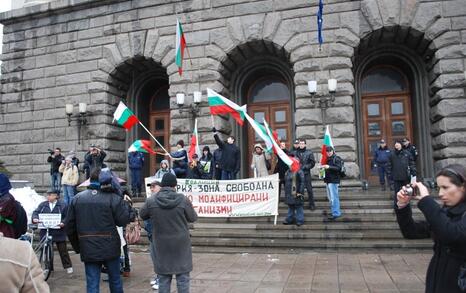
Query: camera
410, 190
50, 151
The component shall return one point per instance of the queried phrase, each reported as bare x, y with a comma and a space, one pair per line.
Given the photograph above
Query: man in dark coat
401, 166
217, 157
332, 180
381, 157
410, 148
55, 206
281, 168
170, 213
231, 156
95, 158
91, 227
180, 160
55, 159
307, 161
294, 197
136, 162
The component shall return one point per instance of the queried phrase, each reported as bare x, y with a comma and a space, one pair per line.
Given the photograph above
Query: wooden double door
278, 116
388, 117
160, 129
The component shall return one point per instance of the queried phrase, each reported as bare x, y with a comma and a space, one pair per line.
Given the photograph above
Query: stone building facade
400, 67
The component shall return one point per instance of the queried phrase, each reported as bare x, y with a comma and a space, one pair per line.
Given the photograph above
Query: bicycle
44, 249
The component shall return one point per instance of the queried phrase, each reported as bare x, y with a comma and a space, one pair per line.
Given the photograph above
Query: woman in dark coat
446, 224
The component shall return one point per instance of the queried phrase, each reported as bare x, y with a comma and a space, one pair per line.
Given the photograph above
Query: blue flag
320, 22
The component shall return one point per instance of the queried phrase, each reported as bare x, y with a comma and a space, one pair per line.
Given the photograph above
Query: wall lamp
324, 100
193, 108
80, 117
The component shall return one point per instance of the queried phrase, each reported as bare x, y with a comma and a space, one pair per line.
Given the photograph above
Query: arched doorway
269, 98
386, 111
159, 123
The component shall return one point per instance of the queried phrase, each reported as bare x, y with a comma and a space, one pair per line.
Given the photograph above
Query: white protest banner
49, 221
254, 197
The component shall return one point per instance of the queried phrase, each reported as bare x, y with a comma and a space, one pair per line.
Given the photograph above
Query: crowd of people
94, 219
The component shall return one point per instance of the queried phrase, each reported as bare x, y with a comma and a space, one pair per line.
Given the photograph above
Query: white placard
51, 221
254, 197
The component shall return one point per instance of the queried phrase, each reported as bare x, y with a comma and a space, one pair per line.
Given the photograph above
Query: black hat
155, 182
296, 141
52, 191
328, 148
168, 180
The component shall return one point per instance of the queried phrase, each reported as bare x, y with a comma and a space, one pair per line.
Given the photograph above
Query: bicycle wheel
46, 260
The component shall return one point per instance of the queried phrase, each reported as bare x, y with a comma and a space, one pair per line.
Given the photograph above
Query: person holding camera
445, 223
402, 167
94, 159
55, 159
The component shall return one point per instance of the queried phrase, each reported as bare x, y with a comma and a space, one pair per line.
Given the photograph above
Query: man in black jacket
95, 158
91, 227
55, 159
231, 156
402, 166
170, 213
332, 180
307, 161
281, 168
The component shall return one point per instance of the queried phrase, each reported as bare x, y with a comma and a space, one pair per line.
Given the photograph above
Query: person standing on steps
307, 161
381, 157
231, 156
294, 198
402, 167
332, 180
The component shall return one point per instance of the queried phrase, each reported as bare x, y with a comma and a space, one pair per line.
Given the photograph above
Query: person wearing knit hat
69, 178
7, 208
169, 213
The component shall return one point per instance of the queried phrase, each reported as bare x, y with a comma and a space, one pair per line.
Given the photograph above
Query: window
161, 100
383, 79
269, 89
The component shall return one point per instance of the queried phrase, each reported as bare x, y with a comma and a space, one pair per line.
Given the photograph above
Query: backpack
21, 224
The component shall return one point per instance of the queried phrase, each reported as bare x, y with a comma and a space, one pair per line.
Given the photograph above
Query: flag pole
160, 145
212, 120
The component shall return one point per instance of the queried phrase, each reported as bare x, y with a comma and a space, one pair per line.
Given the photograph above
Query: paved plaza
325, 272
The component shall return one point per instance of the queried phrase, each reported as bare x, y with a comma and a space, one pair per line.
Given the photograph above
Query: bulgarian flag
261, 132
124, 116
180, 46
141, 145
293, 163
327, 142
221, 105
194, 146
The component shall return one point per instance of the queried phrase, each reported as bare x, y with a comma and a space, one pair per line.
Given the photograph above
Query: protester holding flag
180, 160
231, 156
206, 164
260, 162
332, 180
294, 198
281, 167
307, 161
193, 168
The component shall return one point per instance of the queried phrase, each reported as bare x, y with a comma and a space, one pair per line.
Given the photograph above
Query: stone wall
65, 52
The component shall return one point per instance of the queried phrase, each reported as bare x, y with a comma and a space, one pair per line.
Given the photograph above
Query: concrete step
308, 226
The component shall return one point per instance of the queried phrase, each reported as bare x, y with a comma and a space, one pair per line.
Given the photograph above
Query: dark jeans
384, 172
397, 185
227, 175
93, 276
135, 181
218, 174
295, 214
126, 264
55, 181
280, 183
182, 283
310, 192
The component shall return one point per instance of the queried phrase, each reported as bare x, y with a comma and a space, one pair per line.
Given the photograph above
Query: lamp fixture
79, 117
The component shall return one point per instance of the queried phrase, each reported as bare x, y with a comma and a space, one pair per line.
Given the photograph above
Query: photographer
446, 224
95, 158
55, 159
402, 167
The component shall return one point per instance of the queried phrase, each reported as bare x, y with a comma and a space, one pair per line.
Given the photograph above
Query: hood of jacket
168, 198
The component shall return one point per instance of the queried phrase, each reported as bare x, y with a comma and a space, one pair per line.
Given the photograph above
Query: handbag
133, 232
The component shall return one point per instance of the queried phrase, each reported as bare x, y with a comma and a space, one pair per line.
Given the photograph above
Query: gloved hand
214, 129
